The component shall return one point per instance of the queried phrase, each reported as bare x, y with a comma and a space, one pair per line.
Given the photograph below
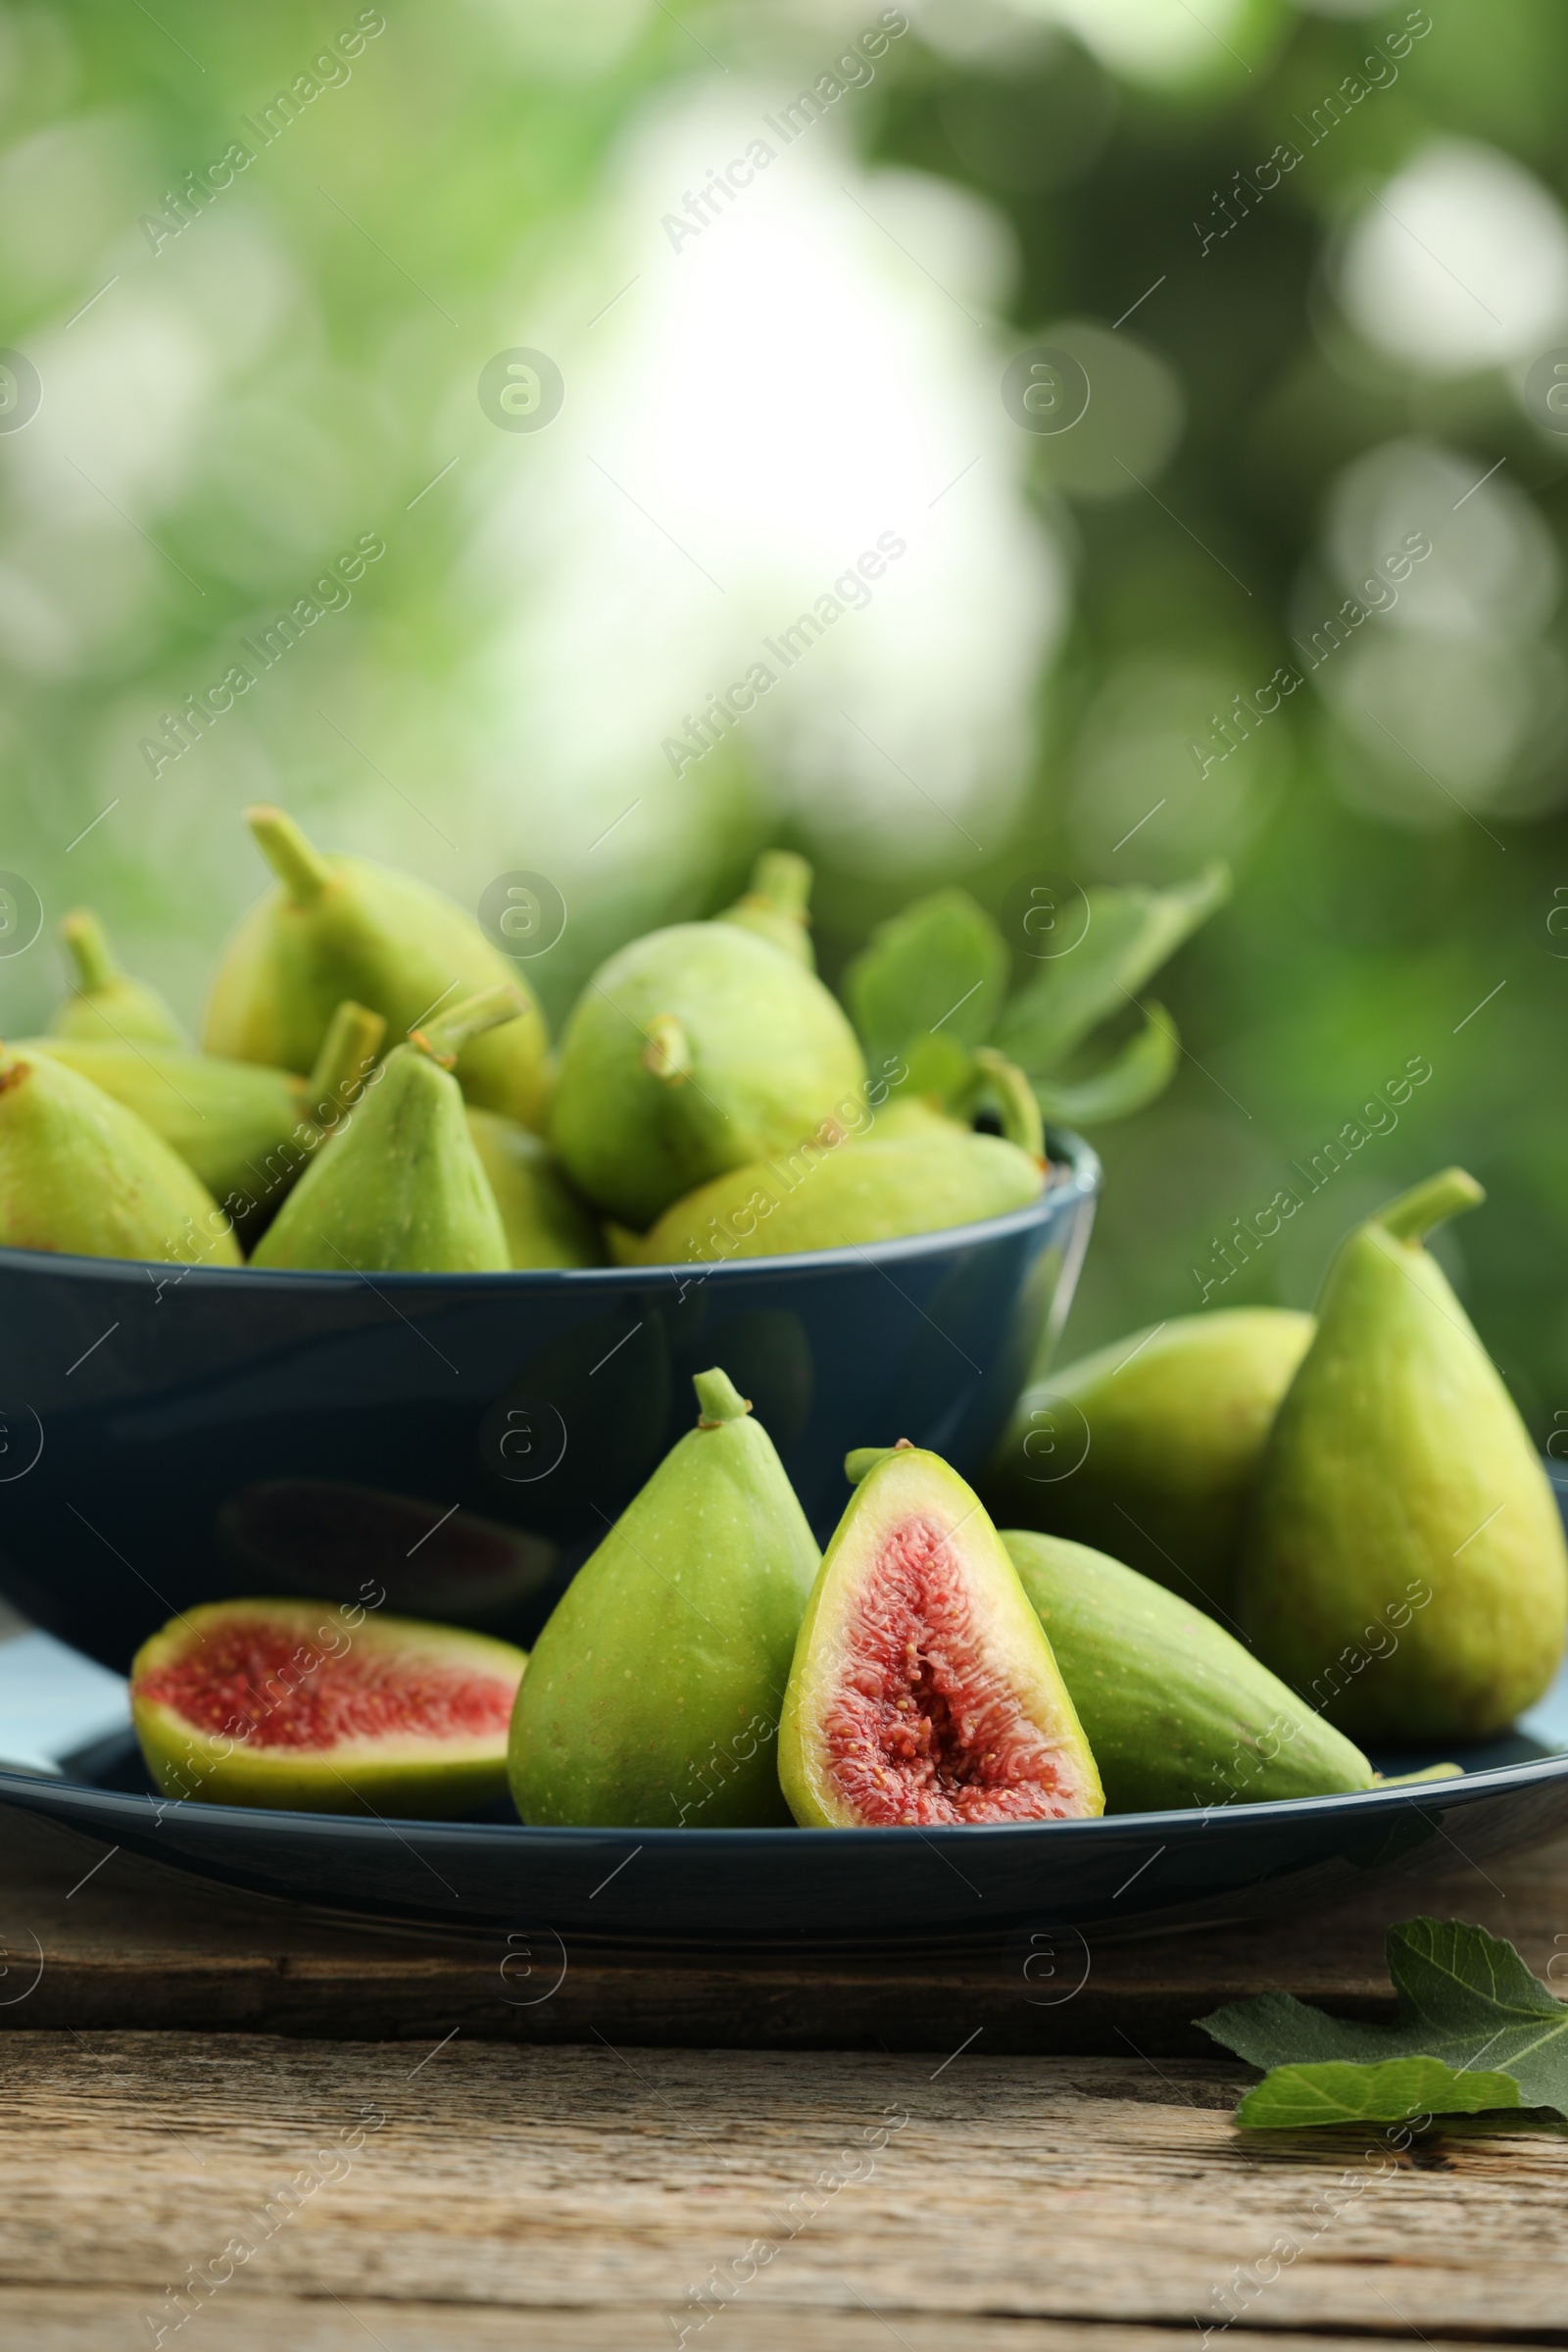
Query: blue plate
820, 1891
458, 1442
823, 1890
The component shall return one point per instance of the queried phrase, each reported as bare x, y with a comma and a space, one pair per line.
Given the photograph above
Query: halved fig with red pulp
317, 1709
923, 1690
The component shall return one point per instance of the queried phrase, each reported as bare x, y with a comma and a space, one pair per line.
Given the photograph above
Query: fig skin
545, 1222
401, 1188
1404, 1566
1177, 1712
906, 1113
1174, 1421
830, 1196
105, 1003
410, 1773
693, 1051
897, 1487
81, 1174
652, 1696
246, 1131
337, 928
223, 1119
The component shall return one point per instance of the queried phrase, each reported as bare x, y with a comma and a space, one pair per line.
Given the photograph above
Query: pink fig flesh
919, 1694
296, 1704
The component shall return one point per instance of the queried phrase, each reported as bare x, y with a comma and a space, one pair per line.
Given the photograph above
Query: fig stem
298, 865
1021, 1122
718, 1399
88, 945
1415, 1213
348, 1051
783, 881
864, 1459
445, 1039
668, 1052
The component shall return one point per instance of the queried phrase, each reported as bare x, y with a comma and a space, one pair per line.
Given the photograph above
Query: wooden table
359, 2138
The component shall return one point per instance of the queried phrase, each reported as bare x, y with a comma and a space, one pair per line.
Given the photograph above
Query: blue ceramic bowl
459, 1441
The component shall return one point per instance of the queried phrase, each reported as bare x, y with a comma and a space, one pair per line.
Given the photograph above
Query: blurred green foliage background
1293, 366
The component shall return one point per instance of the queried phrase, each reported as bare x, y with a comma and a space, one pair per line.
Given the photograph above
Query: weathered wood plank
133, 1944
80, 2319
544, 2183
72, 2320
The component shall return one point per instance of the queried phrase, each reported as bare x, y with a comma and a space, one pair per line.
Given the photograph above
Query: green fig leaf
1463, 1996
1130, 933
1141, 1071
1294, 2098
938, 969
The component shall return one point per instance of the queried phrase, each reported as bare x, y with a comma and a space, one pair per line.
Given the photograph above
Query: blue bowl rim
1068, 1151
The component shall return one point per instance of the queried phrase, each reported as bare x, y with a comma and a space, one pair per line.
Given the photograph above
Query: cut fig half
308, 1708
923, 1691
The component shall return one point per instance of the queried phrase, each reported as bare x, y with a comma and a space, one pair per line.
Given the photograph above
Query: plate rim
1185, 1821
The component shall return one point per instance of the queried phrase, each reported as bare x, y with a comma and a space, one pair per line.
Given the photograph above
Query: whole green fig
546, 1224
247, 1131
400, 1187
652, 1694
337, 928
81, 1174
1148, 1450
1177, 1712
692, 1051
1405, 1567
105, 1001
836, 1194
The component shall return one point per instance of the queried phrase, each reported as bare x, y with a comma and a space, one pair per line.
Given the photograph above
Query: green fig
81, 1174
401, 1189
546, 1224
315, 1709
1148, 1450
340, 927
652, 1695
906, 1113
247, 1131
105, 1001
777, 904
692, 1051
839, 1195
1176, 1711
923, 1690
1404, 1566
